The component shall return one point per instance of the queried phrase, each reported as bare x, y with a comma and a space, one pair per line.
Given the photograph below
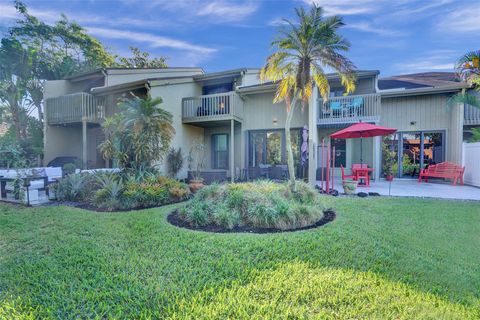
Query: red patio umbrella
362, 130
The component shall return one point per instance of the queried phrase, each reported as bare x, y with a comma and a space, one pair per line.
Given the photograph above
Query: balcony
349, 109
203, 110
75, 108
471, 115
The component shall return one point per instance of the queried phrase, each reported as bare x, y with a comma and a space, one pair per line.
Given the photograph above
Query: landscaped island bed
382, 258
261, 206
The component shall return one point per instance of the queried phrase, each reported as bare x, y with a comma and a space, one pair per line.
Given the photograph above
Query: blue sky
395, 37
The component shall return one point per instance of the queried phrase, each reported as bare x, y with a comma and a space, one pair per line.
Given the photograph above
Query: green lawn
381, 258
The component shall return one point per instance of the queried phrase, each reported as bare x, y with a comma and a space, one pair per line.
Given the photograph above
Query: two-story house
232, 113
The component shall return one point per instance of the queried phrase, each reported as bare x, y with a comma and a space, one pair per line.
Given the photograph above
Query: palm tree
140, 134
302, 53
468, 69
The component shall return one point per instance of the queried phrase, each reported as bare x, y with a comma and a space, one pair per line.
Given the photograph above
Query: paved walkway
411, 188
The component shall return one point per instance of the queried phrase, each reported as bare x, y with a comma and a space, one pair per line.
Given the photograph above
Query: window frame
214, 153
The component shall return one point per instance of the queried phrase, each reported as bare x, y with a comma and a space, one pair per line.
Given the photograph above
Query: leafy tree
303, 50
31, 53
141, 59
139, 135
468, 69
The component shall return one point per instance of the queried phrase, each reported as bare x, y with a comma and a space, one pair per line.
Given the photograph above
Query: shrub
120, 191
74, 187
262, 204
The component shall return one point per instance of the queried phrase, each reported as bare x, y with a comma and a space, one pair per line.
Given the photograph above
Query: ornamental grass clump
261, 204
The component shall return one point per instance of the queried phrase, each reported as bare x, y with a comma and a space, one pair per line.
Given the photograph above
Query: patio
412, 188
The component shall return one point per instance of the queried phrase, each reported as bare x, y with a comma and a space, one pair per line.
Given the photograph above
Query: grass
381, 258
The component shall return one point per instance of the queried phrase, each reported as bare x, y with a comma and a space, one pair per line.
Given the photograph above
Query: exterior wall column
312, 137
232, 154
84, 143
454, 150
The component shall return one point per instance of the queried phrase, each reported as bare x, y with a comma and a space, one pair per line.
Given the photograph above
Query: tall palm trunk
288, 143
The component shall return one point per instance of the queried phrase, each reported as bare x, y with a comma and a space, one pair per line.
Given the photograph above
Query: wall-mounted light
412, 123
275, 121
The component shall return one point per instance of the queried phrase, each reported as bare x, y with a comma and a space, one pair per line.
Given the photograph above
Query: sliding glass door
414, 151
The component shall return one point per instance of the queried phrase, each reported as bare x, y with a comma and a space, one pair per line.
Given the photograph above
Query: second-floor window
217, 88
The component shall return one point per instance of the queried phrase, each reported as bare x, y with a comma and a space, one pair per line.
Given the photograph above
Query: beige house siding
185, 135
364, 86
426, 113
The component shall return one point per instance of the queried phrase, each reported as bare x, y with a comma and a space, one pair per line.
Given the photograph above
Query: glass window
220, 151
268, 147
340, 152
274, 148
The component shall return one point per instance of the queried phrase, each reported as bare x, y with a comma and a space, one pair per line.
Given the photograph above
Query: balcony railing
212, 107
349, 109
471, 115
73, 108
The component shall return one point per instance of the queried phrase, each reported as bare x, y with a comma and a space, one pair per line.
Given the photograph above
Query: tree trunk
288, 144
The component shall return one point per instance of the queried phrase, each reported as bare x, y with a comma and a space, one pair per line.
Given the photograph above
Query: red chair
344, 177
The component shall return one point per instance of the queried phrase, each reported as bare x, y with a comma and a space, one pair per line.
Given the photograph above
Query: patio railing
221, 106
349, 109
73, 108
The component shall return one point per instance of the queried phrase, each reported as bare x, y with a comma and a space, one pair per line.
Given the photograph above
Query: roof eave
423, 91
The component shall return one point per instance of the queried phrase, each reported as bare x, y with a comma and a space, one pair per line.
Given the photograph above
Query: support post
84, 143
232, 147
313, 142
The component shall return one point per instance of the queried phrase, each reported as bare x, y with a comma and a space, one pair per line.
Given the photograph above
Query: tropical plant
196, 160
260, 204
304, 50
174, 162
139, 135
72, 188
468, 69
389, 157
475, 137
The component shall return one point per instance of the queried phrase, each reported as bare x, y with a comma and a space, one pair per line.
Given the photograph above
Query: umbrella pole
361, 152
322, 163
333, 167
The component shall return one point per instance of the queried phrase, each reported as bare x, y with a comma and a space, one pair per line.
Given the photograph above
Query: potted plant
196, 162
388, 160
350, 186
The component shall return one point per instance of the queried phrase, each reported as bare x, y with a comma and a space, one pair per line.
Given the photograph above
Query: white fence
471, 161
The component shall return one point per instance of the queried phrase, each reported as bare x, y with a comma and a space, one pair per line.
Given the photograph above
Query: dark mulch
175, 219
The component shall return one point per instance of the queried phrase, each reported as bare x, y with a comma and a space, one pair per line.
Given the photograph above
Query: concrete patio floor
411, 188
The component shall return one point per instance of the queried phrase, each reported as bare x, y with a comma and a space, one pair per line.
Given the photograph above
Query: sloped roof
418, 80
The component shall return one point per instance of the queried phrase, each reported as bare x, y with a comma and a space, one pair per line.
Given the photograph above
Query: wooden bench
445, 170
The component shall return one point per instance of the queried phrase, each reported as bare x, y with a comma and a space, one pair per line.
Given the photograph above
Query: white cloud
365, 26
277, 22
213, 12
463, 20
434, 60
346, 7
227, 11
152, 40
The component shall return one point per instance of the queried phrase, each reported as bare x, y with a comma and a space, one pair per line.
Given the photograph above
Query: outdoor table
4, 180
362, 173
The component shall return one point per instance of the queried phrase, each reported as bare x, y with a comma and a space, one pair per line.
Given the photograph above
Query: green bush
121, 191
261, 204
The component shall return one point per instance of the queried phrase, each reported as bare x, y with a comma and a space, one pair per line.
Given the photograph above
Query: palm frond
468, 99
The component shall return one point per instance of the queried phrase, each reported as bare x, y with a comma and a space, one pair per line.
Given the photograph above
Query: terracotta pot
349, 186
195, 185
389, 177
